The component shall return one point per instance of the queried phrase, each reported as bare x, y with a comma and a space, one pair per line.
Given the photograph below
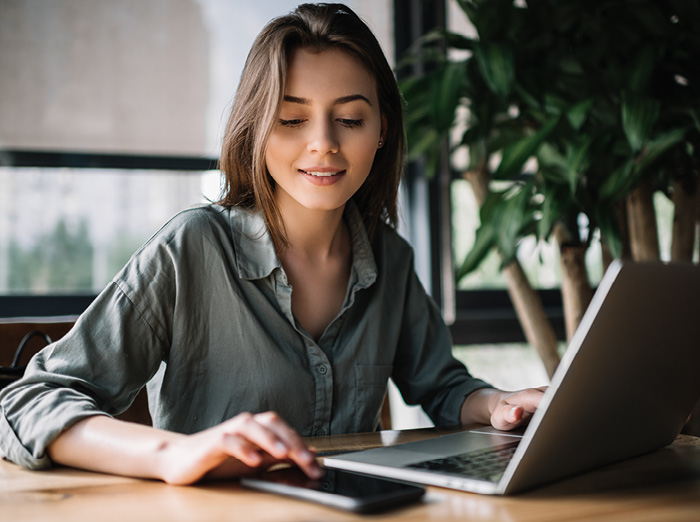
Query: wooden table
662, 486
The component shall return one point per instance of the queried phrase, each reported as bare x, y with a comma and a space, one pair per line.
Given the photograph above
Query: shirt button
323, 370
320, 433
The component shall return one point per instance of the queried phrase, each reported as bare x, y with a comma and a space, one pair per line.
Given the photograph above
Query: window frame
74, 304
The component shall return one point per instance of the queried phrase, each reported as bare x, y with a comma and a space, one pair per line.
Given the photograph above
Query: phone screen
341, 489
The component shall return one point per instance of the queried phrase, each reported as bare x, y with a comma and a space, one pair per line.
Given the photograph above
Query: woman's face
322, 148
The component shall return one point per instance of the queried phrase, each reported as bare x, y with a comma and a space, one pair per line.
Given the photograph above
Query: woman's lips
322, 176
322, 172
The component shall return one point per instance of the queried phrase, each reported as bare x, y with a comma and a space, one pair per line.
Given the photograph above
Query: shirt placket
318, 364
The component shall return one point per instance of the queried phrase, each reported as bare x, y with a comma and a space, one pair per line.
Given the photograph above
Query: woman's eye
291, 123
351, 123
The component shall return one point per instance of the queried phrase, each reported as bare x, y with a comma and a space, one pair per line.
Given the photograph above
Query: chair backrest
31, 335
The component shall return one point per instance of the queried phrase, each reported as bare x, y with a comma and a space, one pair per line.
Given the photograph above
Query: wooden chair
14, 331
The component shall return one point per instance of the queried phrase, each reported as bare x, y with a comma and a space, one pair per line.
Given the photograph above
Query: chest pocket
371, 382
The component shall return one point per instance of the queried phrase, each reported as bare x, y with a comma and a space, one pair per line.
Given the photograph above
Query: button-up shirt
202, 314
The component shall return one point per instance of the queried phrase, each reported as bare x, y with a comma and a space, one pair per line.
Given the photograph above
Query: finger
528, 399
259, 436
507, 417
297, 451
510, 412
237, 446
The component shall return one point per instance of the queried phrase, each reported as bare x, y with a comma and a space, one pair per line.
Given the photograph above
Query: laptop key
486, 464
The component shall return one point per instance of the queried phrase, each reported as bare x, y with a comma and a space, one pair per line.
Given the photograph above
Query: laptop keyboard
485, 464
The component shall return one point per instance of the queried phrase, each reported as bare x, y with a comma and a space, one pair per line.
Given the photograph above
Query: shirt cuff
13, 450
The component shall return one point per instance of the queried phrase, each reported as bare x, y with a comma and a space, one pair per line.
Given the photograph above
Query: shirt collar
256, 257
362, 256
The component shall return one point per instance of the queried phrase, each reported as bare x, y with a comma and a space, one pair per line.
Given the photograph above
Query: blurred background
111, 115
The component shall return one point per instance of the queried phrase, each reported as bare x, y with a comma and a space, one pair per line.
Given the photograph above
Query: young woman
279, 312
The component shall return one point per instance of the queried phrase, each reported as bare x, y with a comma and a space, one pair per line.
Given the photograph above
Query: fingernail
512, 413
255, 456
306, 456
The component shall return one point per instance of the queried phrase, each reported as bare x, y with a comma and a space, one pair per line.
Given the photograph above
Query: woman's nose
322, 139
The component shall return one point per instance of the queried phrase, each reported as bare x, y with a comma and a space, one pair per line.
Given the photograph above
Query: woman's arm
101, 443
503, 410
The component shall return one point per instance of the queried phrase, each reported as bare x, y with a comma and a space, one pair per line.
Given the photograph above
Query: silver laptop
625, 386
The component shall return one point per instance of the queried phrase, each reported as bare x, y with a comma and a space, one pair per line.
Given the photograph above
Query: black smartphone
339, 489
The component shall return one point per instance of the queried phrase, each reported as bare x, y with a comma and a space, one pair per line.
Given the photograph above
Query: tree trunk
575, 287
527, 303
528, 306
684, 217
644, 237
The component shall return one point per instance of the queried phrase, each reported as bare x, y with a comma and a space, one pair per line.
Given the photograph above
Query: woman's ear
382, 136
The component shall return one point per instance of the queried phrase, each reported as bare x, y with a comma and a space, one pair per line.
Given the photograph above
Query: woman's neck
317, 263
315, 234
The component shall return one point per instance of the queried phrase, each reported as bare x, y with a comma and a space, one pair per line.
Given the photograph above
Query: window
114, 114
69, 230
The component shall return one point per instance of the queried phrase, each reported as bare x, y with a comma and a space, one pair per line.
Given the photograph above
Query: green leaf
610, 232
642, 69
484, 242
497, 67
577, 161
554, 105
439, 36
618, 183
551, 159
446, 90
694, 117
512, 218
550, 213
639, 114
515, 155
657, 148
528, 97
458, 41
425, 139
577, 114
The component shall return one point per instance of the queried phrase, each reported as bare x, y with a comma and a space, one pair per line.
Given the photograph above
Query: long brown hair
259, 97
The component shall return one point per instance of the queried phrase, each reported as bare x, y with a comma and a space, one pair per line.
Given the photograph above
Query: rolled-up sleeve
97, 368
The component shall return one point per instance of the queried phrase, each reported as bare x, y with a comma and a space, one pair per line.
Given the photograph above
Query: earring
381, 143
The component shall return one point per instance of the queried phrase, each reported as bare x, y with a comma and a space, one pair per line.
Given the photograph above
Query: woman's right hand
234, 448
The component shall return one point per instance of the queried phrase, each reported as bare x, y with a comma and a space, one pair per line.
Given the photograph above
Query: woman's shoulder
392, 252
388, 238
195, 218
185, 232
194, 223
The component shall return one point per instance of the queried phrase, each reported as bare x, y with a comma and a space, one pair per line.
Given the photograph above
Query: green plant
584, 106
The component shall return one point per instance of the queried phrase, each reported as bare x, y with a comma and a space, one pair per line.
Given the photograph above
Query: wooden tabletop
661, 486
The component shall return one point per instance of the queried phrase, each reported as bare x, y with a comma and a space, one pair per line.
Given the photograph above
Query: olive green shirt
203, 314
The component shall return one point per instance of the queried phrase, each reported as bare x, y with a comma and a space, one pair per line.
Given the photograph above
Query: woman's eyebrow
338, 101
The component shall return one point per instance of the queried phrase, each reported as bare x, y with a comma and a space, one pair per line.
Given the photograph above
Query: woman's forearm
102, 443
234, 447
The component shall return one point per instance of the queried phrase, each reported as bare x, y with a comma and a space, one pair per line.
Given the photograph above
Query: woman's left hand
514, 409
503, 410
